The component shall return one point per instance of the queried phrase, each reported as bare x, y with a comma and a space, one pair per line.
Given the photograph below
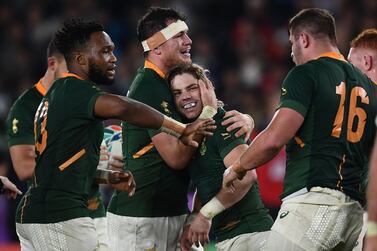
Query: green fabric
160, 190
20, 121
313, 90
206, 171
59, 195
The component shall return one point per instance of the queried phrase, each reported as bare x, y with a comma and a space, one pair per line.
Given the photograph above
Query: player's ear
51, 63
80, 58
157, 50
368, 62
304, 39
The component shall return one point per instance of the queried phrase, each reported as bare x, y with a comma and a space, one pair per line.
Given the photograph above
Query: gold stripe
152, 66
22, 209
72, 159
68, 74
230, 225
333, 54
340, 173
299, 142
143, 151
40, 88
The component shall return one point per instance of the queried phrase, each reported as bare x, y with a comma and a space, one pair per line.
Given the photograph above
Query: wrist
371, 229
238, 169
212, 208
190, 218
172, 127
208, 112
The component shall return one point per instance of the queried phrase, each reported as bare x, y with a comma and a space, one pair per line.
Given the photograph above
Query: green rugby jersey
160, 190
20, 121
68, 138
206, 171
332, 145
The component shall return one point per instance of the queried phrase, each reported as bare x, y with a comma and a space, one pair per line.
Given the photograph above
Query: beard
97, 76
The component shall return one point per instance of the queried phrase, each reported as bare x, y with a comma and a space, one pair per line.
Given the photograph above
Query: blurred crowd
244, 44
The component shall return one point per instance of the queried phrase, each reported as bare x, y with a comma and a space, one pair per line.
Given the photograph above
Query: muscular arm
23, 160
283, 127
228, 198
172, 151
129, 110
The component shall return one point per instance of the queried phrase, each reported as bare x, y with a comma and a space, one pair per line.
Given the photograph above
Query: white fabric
145, 233
322, 219
101, 230
245, 242
168, 32
73, 235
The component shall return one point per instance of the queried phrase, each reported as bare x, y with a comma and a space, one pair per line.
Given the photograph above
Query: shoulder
29, 96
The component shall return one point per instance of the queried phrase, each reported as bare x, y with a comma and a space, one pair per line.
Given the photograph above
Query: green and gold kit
206, 171
331, 147
160, 190
20, 122
67, 142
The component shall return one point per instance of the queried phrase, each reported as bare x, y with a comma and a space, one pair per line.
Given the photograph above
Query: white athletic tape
212, 208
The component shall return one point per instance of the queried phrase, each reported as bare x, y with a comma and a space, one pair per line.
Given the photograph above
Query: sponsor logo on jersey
14, 126
283, 214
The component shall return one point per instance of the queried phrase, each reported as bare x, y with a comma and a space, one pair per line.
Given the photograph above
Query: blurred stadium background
244, 44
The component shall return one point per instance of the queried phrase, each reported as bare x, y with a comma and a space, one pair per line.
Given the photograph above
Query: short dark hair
74, 35
318, 22
155, 20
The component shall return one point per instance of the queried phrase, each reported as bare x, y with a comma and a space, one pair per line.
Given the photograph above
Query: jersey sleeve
84, 99
298, 89
20, 125
226, 141
155, 95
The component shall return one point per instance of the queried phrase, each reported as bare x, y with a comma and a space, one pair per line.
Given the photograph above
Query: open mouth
186, 52
189, 105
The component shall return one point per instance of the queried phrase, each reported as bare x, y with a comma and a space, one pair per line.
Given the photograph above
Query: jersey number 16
354, 111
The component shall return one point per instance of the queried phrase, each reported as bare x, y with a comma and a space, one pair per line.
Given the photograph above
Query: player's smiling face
186, 92
101, 58
176, 50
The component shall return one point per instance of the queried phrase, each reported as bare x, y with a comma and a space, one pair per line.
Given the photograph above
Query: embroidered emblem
283, 91
203, 148
93, 204
165, 106
14, 126
225, 135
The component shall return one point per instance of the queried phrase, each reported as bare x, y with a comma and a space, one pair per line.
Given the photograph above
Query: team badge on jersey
165, 106
283, 91
14, 126
225, 135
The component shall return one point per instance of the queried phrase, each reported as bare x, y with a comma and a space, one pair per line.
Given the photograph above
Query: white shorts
245, 242
360, 240
101, 230
145, 233
73, 235
322, 219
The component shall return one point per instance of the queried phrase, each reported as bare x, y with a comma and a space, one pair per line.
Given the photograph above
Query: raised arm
134, 112
283, 127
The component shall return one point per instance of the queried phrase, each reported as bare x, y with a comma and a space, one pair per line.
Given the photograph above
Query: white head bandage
163, 35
